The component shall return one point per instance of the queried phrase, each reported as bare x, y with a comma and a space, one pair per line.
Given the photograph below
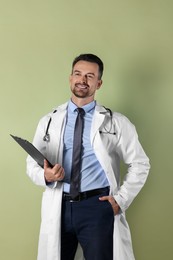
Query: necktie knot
80, 111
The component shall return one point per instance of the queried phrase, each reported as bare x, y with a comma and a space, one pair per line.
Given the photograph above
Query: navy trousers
88, 222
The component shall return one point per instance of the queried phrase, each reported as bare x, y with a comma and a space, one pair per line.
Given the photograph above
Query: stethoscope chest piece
46, 138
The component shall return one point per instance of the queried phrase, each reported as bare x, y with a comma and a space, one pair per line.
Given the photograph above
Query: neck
79, 102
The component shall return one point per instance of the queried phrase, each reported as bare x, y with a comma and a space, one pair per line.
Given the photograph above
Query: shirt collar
88, 107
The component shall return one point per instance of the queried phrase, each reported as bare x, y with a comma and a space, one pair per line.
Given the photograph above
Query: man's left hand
113, 203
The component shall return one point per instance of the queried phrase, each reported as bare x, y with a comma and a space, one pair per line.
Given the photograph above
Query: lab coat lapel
56, 133
99, 148
58, 118
98, 119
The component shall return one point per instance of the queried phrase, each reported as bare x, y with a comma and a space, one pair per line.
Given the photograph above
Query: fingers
104, 198
58, 172
57, 169
46, 164
113, 203
53, 174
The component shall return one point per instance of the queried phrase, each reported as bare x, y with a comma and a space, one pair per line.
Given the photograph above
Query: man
95, 216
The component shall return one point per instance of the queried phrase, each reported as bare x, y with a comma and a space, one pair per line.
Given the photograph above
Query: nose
84, 79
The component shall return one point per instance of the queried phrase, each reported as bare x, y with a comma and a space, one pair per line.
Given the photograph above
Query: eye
90, 76
76, 74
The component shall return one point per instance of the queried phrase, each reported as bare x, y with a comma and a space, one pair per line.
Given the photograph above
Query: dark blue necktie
77, 152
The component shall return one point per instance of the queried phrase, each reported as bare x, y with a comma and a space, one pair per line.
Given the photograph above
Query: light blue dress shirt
92, 174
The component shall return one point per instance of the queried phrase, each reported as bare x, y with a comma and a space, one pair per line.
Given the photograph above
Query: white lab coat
109, 149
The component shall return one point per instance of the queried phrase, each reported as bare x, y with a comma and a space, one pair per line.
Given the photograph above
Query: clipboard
31, 150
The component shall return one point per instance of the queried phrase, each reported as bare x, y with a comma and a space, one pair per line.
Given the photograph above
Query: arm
133, 155
47, 176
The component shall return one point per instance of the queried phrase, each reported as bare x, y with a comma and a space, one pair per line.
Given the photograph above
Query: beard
81, 91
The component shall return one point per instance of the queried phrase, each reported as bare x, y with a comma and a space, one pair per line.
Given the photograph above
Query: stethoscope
46, 137
108, 131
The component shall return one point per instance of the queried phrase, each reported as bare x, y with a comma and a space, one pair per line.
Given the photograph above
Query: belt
84, 195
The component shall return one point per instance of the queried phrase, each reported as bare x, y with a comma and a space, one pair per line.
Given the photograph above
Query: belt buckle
76, 199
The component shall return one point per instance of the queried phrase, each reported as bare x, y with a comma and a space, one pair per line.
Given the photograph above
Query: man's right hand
53, 174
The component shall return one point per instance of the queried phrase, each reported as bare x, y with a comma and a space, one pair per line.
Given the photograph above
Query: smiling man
84, 202
85, 80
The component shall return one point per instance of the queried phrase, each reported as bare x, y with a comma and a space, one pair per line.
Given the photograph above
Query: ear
70, 78
99, 83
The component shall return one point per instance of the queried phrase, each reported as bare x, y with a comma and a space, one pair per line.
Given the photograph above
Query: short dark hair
90, 58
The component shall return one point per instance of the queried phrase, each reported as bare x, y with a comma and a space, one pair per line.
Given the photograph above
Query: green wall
38, 40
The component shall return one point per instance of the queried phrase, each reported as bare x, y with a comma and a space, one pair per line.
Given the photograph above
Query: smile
82, 86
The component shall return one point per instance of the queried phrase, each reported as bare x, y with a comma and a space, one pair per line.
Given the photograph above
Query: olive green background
38, 41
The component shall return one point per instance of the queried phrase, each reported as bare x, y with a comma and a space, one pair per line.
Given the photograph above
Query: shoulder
116, 116
123, 125
122, 120
119, 116
49, 115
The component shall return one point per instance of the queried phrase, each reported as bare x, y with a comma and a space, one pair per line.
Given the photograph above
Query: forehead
86, 67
